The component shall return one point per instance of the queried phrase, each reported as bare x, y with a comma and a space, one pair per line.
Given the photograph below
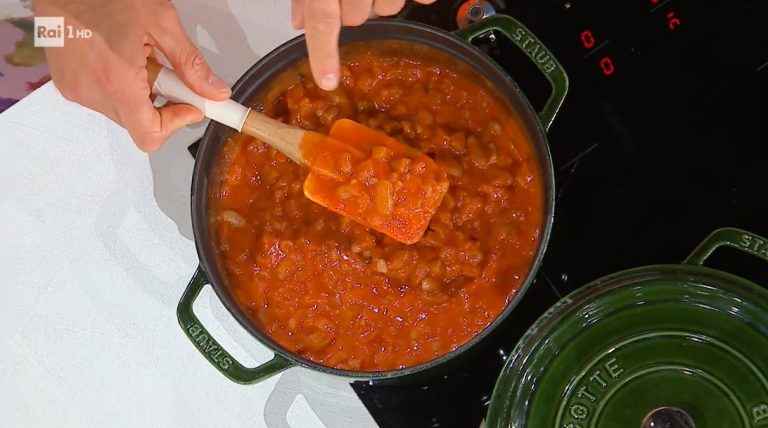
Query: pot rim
441, 40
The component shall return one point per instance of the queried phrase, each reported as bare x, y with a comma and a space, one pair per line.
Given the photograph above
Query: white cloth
95, 253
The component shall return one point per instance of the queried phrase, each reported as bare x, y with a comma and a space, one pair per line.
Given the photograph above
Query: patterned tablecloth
22, 66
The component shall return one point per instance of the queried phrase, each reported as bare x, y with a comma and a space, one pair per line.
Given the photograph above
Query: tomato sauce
346, 296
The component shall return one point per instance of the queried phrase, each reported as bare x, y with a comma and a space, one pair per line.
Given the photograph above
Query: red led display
672, 22
587, 39
607, 66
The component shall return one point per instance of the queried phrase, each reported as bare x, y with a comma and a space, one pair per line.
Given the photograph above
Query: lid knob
667, 417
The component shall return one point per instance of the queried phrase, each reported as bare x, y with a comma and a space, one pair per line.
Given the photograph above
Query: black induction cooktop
661, 140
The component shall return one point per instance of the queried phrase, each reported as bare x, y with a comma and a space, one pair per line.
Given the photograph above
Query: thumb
150, 127
187, 61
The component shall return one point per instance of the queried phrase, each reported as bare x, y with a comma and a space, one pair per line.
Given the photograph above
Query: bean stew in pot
334, 292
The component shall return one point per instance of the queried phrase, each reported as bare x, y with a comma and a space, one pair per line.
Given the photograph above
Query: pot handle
729, 237
211, 349
533, 49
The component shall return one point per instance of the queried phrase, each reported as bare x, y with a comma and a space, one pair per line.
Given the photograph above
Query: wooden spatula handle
166, 83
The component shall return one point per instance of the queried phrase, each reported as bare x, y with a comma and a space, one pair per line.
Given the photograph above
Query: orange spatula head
392, 188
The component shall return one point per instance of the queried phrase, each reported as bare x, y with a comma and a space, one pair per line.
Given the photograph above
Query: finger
297, 14
149, 127
322, 22
425, 1
187, 60
165, 121
355, 12
388, 7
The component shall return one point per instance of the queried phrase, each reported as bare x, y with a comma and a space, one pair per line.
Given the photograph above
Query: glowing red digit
672, 21
607, 65
587, 39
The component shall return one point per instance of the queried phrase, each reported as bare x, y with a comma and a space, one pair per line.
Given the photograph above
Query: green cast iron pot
255, 82
668, 346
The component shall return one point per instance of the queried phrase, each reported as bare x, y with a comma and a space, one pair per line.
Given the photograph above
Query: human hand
106, 72
322, 20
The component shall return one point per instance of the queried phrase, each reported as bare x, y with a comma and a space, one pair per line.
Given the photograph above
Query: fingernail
218, 84
330, 81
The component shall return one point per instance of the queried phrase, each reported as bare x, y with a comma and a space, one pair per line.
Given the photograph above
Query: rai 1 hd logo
50, 32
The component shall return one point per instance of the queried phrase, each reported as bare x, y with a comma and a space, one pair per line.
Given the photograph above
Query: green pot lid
659, 346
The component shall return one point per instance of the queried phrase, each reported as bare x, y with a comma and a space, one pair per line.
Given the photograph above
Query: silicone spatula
355, 171
300, 145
